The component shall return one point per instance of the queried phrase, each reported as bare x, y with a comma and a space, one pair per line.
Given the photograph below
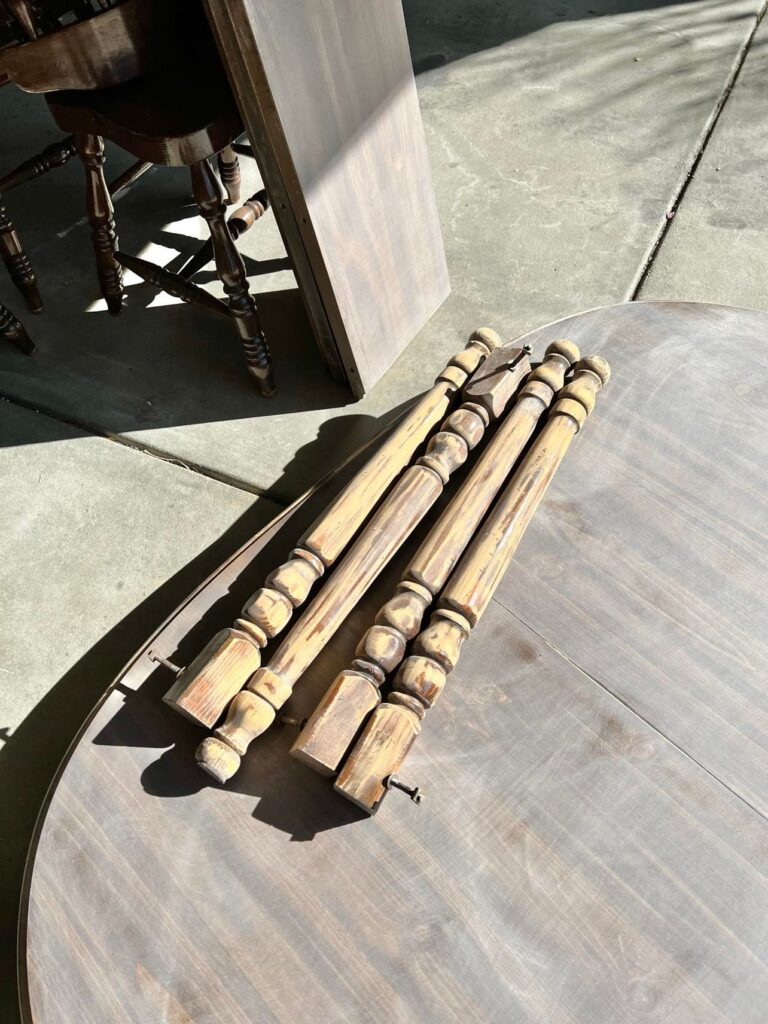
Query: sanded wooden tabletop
593, 846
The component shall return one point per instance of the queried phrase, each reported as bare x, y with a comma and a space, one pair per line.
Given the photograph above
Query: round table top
592, 848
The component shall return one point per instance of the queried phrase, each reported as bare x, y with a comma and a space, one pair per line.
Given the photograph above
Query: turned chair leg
13, 255
55, 155
17, 262
229, 171
12, 330
231, 270
102, 221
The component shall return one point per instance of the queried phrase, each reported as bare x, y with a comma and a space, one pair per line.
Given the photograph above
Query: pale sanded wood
254, 709
203, 691
336, 721
326, 89
378, 755
569, 864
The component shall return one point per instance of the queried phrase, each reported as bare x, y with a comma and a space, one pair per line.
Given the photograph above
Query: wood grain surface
592, 847
96, 53
328, 96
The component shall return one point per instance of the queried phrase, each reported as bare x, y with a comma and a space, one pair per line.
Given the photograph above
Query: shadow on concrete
440, 33
116, 376
31, 754
196, 376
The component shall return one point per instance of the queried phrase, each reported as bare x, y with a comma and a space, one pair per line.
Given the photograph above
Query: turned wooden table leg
231, 270
102, 221
229, 170
12, 330
204, 689
395, 724
17, 262
337, 720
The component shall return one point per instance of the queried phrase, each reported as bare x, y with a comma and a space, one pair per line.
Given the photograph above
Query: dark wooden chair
182, 115
15, 258
13, 330
40, 51
12, 252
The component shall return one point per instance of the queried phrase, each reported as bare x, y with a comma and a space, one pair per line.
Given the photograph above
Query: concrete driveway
583, 153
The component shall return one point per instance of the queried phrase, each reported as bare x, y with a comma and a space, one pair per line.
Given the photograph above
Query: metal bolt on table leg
154, 656
412, 791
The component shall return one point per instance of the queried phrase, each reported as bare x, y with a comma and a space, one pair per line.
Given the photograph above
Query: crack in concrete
698, 152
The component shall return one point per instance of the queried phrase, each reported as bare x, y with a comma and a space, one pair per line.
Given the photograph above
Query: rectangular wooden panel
327, 93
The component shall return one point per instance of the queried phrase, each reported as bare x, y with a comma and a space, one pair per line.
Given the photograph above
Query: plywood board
326, 90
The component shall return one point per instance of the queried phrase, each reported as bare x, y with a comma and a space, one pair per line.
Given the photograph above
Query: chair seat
171, 119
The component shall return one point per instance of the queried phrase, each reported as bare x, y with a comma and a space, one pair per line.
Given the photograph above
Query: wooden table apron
592, 847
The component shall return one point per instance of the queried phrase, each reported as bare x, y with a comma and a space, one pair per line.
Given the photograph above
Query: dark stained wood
13, 330
174, 284
327, 94
171, 119
128, 177
231, 271
653, 579
103, 51
15, 258
17, 262
176, 118
571, 863
54, 155
182, 116
101, 217
239, 222
289, 228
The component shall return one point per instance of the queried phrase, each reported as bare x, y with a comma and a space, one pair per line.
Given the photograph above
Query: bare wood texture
394, 725
229, 172
580, 857
271, 607
103, 51
254, 709
336, 721
330, 84
102, 220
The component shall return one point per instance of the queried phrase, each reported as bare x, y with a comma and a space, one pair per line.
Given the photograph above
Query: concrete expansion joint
708, 131
142, 449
